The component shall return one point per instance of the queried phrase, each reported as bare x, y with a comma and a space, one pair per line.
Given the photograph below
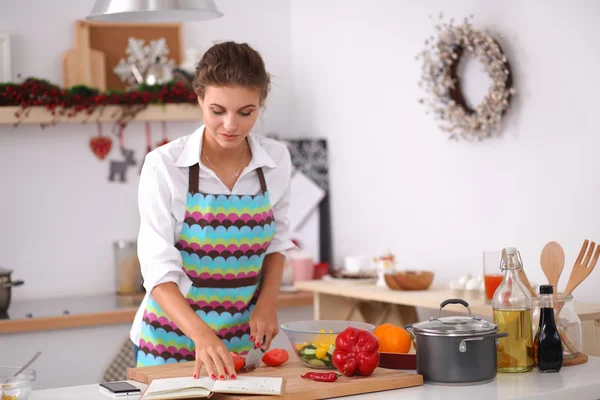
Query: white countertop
580, 382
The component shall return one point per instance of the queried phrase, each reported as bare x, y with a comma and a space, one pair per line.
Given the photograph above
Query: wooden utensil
553, 262
84, 65
582, 267
525, 281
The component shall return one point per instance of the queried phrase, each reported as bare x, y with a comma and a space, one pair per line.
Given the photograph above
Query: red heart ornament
101, 146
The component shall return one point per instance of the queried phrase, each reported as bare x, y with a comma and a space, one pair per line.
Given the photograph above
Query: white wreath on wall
439, 78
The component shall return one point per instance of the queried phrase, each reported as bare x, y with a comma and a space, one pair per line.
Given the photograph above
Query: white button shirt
162, 196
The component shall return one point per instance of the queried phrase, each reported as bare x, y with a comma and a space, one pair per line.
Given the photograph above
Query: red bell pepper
356, 352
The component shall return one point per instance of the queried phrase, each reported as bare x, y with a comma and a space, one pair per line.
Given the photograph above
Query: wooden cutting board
296, 388
84, 65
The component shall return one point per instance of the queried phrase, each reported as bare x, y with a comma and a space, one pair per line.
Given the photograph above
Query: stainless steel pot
6, 286
456, 350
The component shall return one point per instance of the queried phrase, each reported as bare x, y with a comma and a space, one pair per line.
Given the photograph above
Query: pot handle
11, 284
462, 347
413, 338
454, 301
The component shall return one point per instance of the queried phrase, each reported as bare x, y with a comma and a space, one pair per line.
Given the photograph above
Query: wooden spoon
553, 262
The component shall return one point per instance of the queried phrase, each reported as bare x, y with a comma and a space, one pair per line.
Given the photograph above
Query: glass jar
128, 273
512, 308
568, 323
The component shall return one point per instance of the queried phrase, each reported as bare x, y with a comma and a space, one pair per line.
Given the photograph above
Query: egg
457, 285
472, 285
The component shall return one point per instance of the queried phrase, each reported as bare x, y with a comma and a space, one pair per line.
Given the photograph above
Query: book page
250, 385
171, 385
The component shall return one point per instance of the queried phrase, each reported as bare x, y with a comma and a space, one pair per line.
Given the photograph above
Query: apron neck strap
194, 179
261, 178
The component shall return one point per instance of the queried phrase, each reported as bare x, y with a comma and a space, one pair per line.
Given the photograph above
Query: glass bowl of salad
314, 341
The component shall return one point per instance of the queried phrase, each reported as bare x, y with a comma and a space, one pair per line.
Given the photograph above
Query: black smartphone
119, 388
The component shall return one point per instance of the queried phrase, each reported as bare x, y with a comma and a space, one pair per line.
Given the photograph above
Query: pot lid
455, 326
4, 271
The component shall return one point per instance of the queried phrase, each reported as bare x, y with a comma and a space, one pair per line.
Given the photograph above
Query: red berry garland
69, 102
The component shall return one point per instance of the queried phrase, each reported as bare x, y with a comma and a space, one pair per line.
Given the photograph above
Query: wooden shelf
153, 113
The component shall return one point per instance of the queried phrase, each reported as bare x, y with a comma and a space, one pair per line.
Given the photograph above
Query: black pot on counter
456, 350
6, 286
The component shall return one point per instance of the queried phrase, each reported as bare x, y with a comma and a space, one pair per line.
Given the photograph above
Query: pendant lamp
153, 11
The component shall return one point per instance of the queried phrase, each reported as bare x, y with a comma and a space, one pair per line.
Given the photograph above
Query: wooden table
351, 300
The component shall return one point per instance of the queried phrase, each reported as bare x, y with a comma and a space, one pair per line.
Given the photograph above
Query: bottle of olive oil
512, 306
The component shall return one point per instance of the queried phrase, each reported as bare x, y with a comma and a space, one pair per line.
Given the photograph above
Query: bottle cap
546, 289
510, 250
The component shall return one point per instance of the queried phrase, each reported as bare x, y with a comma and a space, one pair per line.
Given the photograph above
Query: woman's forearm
170, 299
272, 271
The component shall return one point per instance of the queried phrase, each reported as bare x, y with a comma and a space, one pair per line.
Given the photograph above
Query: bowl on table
314, 341
409, 280
19, 387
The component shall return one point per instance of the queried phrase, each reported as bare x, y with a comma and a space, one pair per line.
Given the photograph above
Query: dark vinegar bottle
547, 345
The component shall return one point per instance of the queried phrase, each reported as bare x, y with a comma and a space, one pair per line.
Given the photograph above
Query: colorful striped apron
222, 243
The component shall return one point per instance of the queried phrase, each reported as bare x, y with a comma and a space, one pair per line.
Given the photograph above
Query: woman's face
229, 113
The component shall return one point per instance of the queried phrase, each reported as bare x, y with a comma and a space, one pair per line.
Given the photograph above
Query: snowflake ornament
140, 57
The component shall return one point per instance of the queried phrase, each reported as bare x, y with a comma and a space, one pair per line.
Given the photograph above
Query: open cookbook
190, 388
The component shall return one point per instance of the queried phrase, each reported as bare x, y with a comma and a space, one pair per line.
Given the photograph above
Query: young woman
213, 225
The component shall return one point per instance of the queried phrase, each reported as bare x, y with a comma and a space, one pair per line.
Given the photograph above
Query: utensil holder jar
567, 321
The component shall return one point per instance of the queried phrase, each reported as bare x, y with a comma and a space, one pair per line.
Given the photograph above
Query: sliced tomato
275, 357
238, 360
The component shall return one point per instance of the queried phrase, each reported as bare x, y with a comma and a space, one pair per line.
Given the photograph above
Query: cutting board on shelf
296, 388
84, 65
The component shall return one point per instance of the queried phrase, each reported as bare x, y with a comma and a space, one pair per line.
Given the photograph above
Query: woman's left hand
263, 324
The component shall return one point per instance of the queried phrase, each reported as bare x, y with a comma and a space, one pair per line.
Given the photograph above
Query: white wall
398, 182
344, 70
59, 214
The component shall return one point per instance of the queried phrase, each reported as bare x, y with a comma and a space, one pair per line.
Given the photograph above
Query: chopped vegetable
321, 377
275, 357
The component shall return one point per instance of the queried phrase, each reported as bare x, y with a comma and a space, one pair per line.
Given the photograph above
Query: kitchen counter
581, 382
84, 311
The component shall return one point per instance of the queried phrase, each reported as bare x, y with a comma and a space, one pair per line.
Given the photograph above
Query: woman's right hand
215, 356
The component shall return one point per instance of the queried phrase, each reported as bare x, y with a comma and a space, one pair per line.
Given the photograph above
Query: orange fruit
392, 338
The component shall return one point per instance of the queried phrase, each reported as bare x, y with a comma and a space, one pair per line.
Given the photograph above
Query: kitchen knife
254, 357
